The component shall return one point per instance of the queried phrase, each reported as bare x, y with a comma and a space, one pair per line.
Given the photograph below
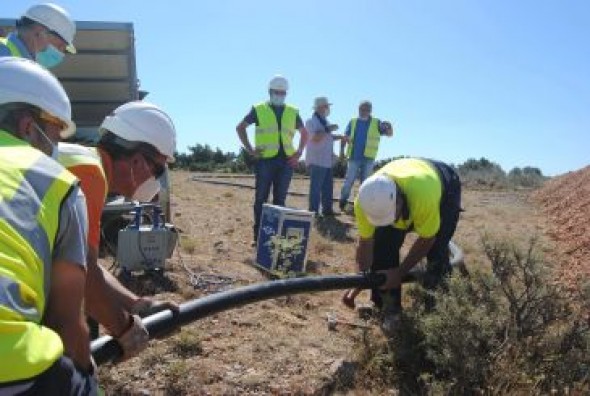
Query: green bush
503, 331
201, 167
526, 177
461, 332
474, 173
485, 173
482, 173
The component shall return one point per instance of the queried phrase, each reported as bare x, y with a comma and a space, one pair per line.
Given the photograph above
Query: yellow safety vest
72, 155
267, 130
422, 186
373, 138
32, 190
14, 51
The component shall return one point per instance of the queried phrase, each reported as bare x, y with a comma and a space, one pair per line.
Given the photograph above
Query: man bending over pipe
408, 194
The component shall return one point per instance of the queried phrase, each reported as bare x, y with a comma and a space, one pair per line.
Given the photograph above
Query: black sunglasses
157, 168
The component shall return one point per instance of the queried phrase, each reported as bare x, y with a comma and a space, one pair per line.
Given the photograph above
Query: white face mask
54, 151
277, 100
147, 190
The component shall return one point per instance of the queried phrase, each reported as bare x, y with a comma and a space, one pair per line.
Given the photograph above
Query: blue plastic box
283, 239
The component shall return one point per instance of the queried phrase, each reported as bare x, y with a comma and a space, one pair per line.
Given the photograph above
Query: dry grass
187, 244
283, 345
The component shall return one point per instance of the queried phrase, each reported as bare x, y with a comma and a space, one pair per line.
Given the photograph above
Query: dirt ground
280, 346
566, 202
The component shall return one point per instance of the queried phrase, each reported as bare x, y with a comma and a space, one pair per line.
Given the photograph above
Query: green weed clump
508, 330
187, 345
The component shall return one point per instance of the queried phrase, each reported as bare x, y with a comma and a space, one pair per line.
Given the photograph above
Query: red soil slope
566, 201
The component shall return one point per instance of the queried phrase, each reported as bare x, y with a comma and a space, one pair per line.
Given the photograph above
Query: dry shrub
505, 331
178, 378
187, 345
188, 244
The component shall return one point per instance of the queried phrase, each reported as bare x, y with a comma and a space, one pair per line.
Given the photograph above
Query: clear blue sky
506, 80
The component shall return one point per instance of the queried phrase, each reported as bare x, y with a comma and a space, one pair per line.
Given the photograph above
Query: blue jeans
320, 188
363, 168
272, 172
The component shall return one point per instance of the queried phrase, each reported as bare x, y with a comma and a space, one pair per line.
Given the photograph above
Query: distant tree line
473, 172
485, 173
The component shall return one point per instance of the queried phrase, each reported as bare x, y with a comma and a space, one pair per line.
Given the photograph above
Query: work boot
391, 321
391, 311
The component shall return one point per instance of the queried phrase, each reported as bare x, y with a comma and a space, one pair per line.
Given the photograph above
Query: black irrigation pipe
231, 184
208, 180
238, 176
106, 349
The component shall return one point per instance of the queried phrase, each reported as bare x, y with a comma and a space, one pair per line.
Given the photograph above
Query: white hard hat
279, 83
24, 81
56, 19
143, 122
377, 198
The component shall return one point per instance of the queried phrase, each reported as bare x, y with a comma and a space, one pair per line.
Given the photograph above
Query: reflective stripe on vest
32, 190
14, 51
373, 138
71, 155
267, 130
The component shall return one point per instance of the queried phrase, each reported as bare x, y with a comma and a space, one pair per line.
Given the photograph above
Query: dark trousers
389, 240
61, 379
93, 328
276, 173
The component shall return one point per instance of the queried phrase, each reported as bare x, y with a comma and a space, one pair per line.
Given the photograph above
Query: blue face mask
277, 100
49, 57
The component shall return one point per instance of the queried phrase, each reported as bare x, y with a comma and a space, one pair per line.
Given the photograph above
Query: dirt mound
566, 202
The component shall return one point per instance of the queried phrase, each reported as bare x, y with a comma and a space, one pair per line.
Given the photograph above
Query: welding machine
146, 246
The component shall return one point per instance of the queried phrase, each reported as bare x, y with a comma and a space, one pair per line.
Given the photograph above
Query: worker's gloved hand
145, 306
134, 339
